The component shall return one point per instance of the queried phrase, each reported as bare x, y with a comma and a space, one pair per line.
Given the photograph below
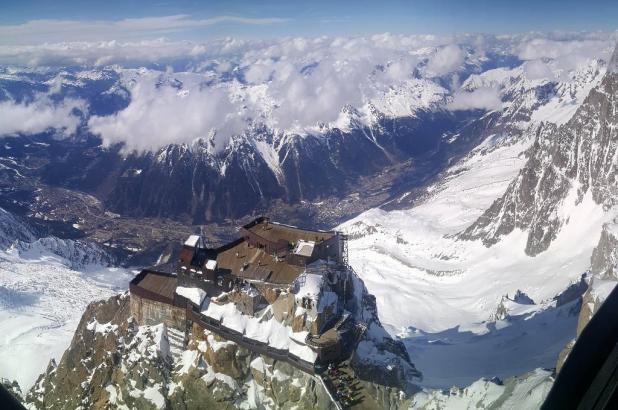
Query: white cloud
538, 70
288, 84
549, 48
484, 98
258, 72
157, 116
99, 53
125, 53
292, 99
401, 70
378, 48
446, 60
40, 115
291, 84
443, 53
46, 31
566, 51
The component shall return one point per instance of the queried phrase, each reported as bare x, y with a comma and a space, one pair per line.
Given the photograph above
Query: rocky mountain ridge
19, 237
566, 163
600, 281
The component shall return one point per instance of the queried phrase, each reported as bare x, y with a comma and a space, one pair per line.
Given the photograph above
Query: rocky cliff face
13, 388
565, 164
526, 105
605, 256
112, 362
377, 358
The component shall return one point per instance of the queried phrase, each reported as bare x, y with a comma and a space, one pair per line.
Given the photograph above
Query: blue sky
265, 19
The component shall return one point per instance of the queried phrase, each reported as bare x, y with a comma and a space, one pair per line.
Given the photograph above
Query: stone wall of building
150, 312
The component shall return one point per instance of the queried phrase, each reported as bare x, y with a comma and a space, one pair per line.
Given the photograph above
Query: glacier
45, 285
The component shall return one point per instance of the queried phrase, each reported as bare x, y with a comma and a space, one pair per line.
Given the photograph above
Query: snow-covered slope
42, 298
464, 314
521, 393
451, 289
553, 96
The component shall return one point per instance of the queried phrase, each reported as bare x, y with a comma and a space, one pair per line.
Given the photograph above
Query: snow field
41, 302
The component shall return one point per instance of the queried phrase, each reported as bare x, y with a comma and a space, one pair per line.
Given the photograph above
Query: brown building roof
257, 264
275, 232
161, 284
242, 258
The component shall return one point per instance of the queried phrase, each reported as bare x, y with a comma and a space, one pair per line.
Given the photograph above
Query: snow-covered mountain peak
527, 95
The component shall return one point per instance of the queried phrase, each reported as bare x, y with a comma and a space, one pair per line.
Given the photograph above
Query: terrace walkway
346, 388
